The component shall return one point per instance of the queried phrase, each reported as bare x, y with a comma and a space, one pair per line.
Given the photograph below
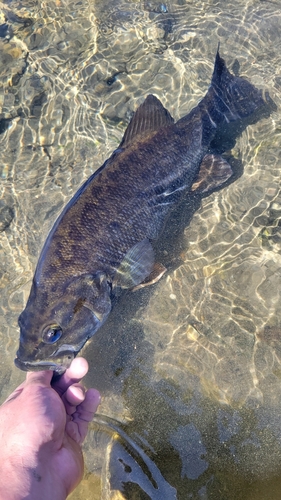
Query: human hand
41, 431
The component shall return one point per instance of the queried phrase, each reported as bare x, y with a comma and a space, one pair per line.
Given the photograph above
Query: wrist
24, 476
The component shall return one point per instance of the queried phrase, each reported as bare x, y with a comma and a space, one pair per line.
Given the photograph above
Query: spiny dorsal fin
149, 117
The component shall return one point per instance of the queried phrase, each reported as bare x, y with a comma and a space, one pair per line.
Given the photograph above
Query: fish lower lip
39, 366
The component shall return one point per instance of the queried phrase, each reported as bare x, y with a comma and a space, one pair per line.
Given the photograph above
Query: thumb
42, 378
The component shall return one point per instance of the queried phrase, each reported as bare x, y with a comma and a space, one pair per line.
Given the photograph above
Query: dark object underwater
104, 237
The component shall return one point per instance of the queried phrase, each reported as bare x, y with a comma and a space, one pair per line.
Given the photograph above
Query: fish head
53, 329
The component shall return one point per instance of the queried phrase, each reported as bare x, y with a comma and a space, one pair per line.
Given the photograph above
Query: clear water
190, 368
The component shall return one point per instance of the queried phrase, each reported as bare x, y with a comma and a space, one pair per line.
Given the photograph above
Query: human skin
42, 428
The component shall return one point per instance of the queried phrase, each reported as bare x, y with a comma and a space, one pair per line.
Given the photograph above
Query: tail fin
236, 97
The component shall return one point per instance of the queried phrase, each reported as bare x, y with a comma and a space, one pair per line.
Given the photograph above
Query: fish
105, 238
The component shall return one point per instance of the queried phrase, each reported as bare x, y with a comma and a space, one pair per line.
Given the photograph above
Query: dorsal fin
149, 117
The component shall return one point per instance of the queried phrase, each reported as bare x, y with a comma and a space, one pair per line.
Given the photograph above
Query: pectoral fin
214, 171
136, 265
155, 275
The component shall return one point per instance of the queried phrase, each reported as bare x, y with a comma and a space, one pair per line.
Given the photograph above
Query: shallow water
190, 368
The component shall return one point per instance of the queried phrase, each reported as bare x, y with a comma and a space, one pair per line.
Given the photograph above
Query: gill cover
92, 292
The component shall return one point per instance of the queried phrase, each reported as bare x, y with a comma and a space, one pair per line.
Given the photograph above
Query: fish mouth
62, 359
58, 362
34, 366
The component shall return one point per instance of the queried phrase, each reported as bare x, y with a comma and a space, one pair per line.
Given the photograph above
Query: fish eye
51, 334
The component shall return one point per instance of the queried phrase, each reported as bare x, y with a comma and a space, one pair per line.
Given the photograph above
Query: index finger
77, 370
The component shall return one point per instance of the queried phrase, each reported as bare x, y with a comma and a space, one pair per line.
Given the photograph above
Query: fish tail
233, 97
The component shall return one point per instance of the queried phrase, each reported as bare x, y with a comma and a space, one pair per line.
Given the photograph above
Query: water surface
190, 368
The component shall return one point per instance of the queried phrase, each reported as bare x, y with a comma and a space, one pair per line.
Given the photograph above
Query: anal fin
214, 171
